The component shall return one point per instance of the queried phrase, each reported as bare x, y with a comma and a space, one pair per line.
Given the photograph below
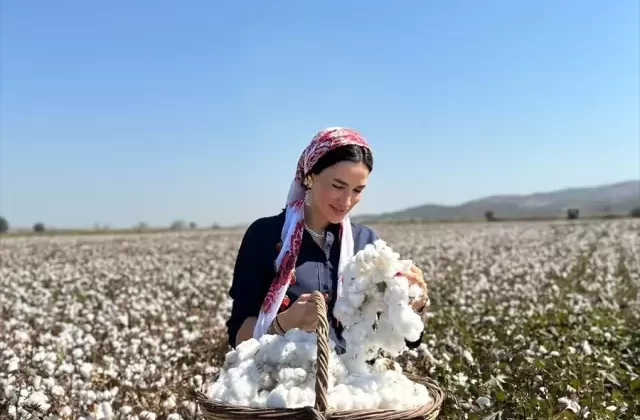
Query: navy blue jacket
316, 269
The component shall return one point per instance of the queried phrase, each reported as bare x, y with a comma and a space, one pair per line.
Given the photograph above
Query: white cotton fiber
280, 371
385, 305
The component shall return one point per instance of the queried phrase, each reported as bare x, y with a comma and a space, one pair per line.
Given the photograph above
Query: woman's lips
337, 210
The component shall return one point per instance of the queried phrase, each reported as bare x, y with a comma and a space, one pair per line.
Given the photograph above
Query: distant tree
192, 225
39, 227
215, 226
489, 216
4, 225
142, 226
178, 225
573, 214
635, 212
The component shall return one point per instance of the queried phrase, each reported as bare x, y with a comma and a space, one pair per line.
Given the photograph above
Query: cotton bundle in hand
280, 371
375, 307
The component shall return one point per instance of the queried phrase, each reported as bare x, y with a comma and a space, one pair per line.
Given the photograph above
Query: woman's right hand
301, 314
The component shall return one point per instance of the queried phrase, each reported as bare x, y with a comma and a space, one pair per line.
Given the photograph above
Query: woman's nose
346, 200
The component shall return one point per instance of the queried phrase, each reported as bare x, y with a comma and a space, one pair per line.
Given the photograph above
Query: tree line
39, 227
489, 215
572, 214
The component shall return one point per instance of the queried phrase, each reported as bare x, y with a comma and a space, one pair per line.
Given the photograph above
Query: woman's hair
350, 153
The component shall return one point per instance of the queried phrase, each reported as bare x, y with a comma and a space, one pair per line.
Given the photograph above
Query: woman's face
337, 189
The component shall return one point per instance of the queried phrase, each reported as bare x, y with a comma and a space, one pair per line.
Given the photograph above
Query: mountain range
618, 198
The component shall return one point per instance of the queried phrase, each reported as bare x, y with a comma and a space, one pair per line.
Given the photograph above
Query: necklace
314, 233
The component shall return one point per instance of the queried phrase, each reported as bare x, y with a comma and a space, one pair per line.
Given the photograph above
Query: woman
312, 234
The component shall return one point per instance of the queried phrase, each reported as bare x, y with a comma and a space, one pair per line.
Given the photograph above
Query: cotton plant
279, 371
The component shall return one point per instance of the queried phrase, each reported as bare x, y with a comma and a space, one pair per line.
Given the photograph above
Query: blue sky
119, 112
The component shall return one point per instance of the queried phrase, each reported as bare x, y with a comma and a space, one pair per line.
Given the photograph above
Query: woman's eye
339, 187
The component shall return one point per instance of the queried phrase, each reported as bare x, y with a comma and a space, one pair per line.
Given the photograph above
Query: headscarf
293, 228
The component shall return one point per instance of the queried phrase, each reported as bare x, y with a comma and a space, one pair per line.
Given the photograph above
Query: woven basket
217, 410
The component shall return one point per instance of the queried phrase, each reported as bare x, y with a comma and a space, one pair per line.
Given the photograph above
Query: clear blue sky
124, 111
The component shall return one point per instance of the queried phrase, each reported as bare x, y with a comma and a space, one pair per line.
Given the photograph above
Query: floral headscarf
293, 228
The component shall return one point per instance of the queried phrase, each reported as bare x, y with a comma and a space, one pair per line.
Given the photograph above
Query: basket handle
322, 352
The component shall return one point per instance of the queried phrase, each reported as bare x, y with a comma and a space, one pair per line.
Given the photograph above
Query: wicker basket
217, 410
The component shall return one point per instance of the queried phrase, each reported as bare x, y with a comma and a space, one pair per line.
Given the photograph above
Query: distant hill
617, 198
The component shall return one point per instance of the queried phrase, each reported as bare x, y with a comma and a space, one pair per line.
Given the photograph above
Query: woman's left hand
414, 276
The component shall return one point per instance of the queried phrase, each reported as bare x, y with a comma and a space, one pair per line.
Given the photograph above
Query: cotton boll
415, 291
49, 367
300, 374
387, 398
38, 399
169, 403
340, 397
294, 398
341, 309
308, 396
337, 369
231, 358
234, 374
9, 392
247, 349
217, 391
85, 370
243, 388
287, 353
147, 415
278, 398
358, 398
368, 383
107, 410
57, 391
355, 298
65, 411
397, 291
285, 374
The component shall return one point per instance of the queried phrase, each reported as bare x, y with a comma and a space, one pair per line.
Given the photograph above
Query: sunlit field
527, 320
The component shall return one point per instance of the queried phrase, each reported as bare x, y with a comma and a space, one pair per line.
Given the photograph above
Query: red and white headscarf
293, 228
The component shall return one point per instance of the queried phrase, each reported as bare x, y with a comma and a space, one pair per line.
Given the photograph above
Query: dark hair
350, 153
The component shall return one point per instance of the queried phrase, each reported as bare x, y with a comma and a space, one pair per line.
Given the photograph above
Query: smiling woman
284, 258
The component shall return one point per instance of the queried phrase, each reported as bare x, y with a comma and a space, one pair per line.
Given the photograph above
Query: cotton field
527, 320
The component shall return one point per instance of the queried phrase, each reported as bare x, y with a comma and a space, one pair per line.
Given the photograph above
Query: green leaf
616, 396
517, 360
